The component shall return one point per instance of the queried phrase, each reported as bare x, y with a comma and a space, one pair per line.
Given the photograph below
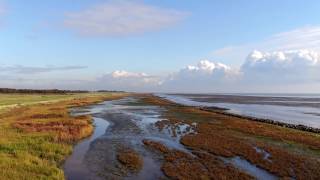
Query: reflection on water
127, 125
251, 169
121, 124
74, 168
293, 110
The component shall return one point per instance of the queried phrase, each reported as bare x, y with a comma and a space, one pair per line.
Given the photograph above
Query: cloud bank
261, 72
298, 66
301, 38
126, 81
274, 71
205, 75
121, 18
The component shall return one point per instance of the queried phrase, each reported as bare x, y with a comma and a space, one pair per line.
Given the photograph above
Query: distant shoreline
267, 121
223, 111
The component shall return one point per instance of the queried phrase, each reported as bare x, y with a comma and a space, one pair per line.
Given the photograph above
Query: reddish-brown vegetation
149, 99
54, 118
181, 165
222, 135
223, 143
130, 159
155, 146
272, 131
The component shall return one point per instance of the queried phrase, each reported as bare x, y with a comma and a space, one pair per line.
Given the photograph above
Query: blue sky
40, 33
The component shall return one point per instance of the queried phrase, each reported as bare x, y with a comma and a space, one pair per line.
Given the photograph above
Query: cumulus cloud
125, 74
274, 71
260, 72
121, 18
128, 81
203, 69
18, 69
301, 38
292, 66
205, 76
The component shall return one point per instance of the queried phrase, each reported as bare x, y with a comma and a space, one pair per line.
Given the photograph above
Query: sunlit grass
38, 133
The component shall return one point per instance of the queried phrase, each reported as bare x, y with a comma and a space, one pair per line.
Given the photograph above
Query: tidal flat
142, 136
152, 138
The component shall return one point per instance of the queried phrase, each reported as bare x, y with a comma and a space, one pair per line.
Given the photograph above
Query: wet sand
126, 123
118, 126
302, 110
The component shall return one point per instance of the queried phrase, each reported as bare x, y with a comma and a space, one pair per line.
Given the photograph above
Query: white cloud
291, 66
302, 38
261, 72
121, 18
204, 68
128, 81
205, 76
124, 74
274, 71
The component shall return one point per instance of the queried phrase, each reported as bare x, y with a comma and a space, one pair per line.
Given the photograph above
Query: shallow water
293, 110
121, 125
251, 169
74, 168
118, 125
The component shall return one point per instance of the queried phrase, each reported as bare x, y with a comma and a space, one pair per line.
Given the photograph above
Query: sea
298, 109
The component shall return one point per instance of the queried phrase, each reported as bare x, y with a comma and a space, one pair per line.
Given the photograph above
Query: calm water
118, 124
290, 108
124, 124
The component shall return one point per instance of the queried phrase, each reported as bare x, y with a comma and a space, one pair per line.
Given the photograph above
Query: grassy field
12, 100
37, 132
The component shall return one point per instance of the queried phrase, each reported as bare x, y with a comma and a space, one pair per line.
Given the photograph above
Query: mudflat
142, 136
150, 137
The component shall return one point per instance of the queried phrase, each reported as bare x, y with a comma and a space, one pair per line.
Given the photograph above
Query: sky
161, 45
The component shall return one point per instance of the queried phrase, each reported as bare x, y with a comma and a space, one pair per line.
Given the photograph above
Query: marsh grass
293, 153
181, 165
130, 159
35, 139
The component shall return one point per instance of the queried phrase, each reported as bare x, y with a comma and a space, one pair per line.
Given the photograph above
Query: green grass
33, 155
30, 155
12, 100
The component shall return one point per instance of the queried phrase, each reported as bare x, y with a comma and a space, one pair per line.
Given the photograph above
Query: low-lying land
37, 132
284, 152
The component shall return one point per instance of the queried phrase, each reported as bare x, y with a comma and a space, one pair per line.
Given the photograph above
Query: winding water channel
125, 123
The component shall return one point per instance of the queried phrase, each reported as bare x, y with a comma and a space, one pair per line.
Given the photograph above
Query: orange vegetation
181, 165
54, 118
149, 99
281, 162
156, 146
227, 136
130, 159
